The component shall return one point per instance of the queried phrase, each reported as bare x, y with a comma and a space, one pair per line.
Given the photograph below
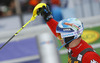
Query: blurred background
36, 43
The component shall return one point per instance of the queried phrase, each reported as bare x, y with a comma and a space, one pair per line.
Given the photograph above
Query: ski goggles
59, 36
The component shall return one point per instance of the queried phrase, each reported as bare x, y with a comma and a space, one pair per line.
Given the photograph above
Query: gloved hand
45, 12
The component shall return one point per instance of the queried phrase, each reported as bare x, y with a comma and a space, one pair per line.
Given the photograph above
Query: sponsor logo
93, 61
90, 36
47, 42
66, 29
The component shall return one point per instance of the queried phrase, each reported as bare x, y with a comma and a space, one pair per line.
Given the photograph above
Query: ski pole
32, 19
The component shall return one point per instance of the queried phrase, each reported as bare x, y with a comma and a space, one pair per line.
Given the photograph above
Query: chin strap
65, 44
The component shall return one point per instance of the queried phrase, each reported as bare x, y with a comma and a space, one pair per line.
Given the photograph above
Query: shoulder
91, 57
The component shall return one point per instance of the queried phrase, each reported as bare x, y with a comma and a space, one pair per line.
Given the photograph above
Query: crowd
7, 7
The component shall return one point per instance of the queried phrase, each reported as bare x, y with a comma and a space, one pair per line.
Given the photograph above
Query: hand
45, 12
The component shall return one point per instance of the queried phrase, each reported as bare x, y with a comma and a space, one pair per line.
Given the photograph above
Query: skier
69, 32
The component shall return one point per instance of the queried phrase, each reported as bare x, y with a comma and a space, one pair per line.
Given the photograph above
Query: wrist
47, 18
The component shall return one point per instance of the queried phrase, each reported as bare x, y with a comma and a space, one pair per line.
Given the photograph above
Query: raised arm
52, 25
45, 12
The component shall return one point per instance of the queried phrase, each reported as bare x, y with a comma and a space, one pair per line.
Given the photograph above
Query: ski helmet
67, 28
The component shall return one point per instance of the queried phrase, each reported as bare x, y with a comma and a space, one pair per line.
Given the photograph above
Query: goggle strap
75, 33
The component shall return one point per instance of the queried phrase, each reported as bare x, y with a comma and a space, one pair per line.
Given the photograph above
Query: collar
80, 47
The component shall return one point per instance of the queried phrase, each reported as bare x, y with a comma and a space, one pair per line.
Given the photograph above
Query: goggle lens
59, 36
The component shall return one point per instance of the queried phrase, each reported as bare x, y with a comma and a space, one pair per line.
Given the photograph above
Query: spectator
11, 7
56, 2
7, 7
34, 2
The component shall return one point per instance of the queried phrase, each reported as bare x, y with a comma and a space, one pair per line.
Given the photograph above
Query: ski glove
45, 12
